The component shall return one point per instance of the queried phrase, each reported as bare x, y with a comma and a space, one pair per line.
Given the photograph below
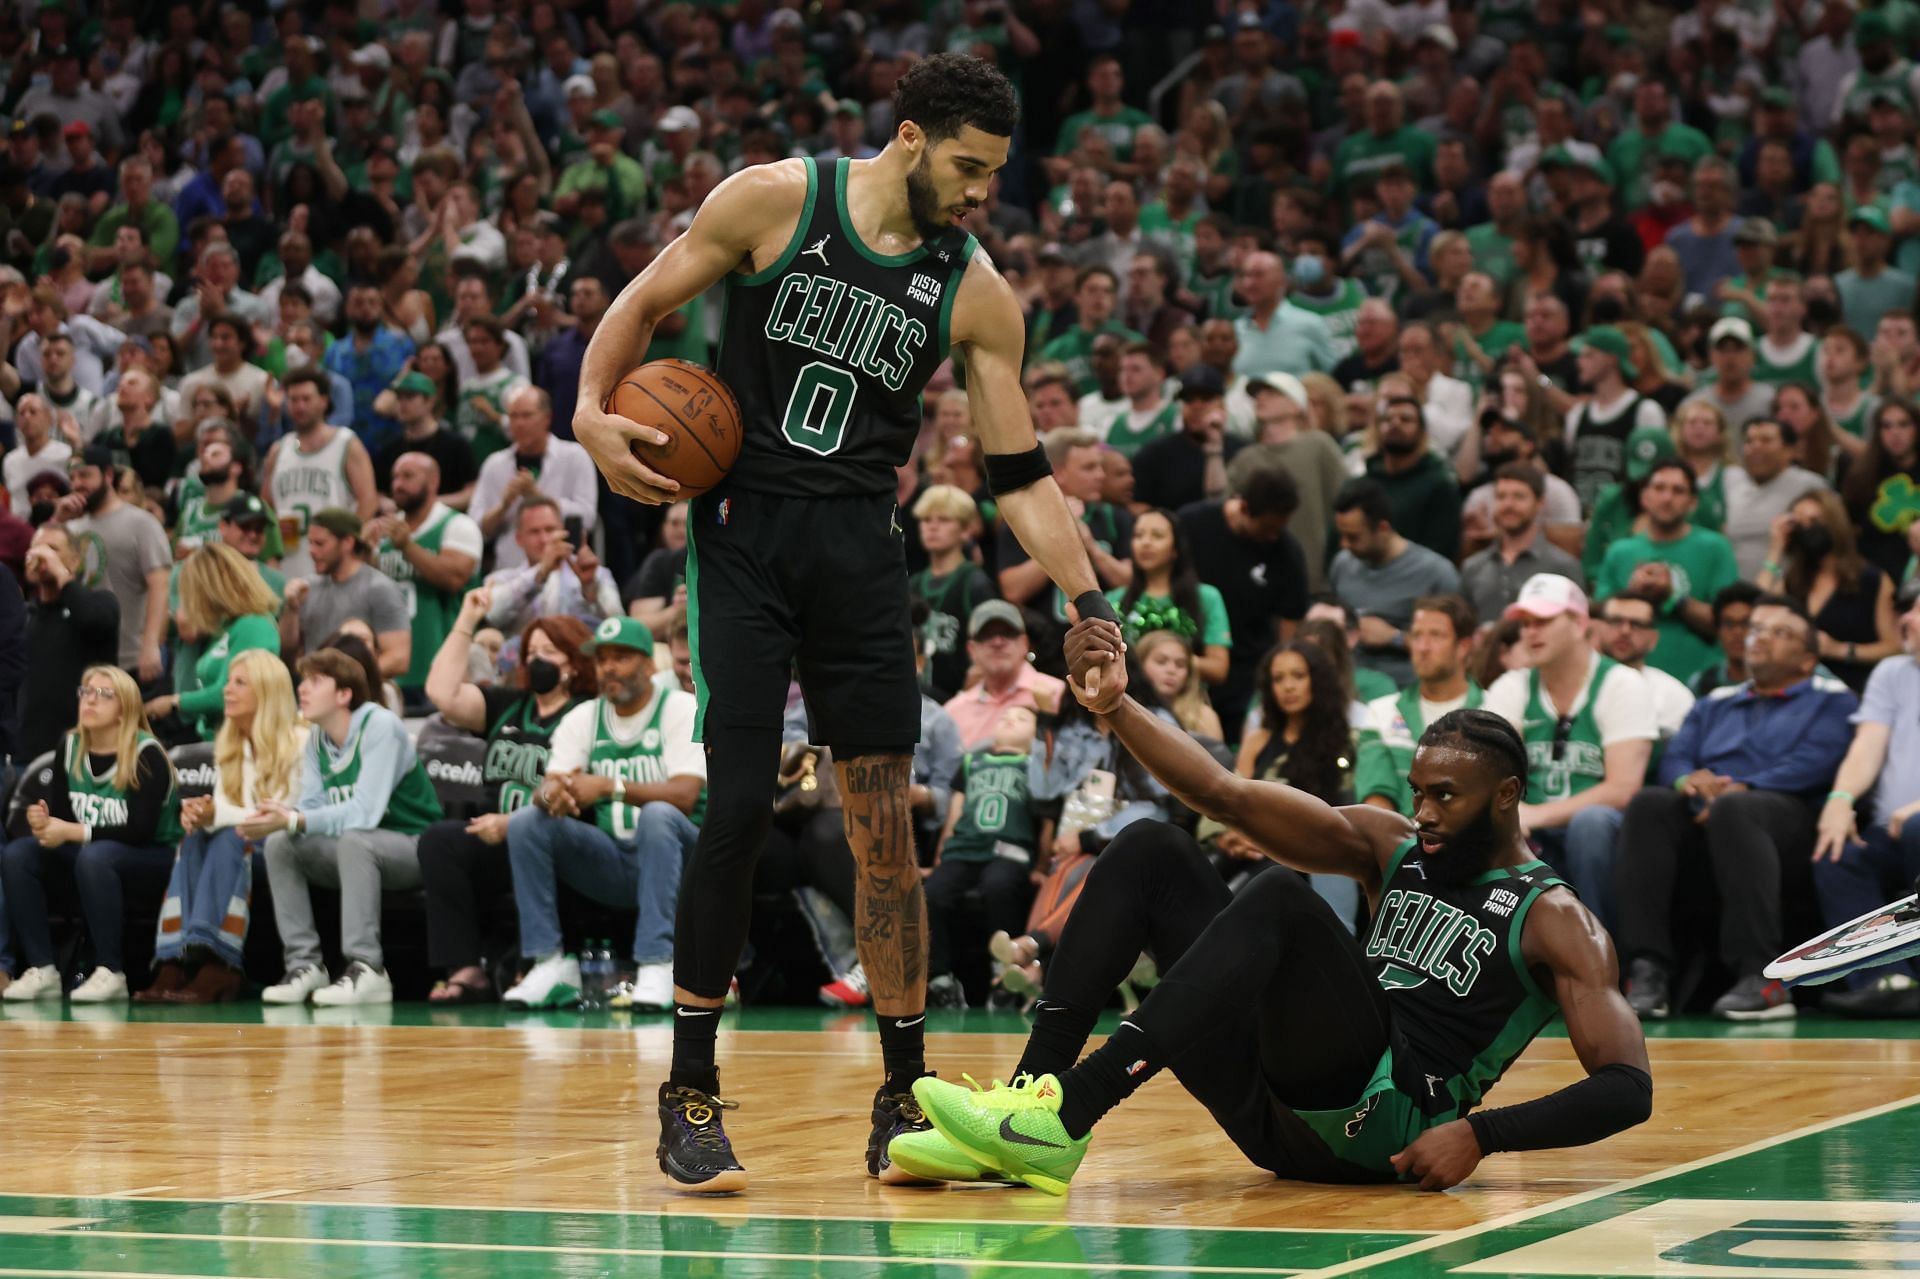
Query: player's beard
1467, 853
923, 202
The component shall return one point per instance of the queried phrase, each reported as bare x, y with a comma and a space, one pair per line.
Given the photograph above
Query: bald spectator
534, 462
1376, 349
1276, 336
432, 552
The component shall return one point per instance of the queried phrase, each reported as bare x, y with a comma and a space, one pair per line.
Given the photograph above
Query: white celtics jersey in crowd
305, 483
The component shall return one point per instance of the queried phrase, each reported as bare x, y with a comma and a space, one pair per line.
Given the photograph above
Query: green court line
281, 1240
1871, 1149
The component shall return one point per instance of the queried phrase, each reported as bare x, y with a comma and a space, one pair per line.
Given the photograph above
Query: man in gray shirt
1379, 574
1310, 456
1733, 391
1491, 579
1858, 868
343, 587
122, 549
1761, 490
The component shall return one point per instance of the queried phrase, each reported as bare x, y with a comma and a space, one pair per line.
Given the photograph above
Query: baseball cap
1777, 96
679, 118
95, 454
1557, 157
1871, 26
1344, 38
1595, 165
1756, 231
578, 86
1873, 215
1608, 340
372, 55
848, 107
1202, 382
1548, 595
78, 129
1284, 383
338, 521
1730, 328
1647, 445
986, 614
605, 119
1249, 21
245, 508
1441, 34
621, 632
414, 384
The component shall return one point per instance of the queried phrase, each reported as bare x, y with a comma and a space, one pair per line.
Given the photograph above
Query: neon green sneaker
927, 1154
1014, 1130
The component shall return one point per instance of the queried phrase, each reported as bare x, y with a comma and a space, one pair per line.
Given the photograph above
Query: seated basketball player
1323, 1058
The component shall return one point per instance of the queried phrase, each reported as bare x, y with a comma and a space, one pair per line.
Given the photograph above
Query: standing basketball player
1323, 1058
847, 285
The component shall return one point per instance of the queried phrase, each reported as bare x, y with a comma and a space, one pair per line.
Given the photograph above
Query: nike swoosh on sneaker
910, 1021
1008, 1133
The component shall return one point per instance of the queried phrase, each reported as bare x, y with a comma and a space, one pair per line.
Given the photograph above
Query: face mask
542, 676
297, 357
40, 513
1308, 271
1811, 541
1495, 461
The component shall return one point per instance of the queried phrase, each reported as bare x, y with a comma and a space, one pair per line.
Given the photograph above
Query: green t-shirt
1155, 220
1124, 437
1564, 761
431, 609
96, 801
1339, 311
624, 181
642, 760
1502, 336
1702, 565
1118, 129
1364, 152
1160, 613
1803, 369
1492, 252
1074, 348
487, 435
1633, 156
690, 343
411, 808
996, 807
1384, 752
204, 706
1216, 293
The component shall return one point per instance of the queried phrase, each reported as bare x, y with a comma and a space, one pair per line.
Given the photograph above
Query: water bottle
593, 979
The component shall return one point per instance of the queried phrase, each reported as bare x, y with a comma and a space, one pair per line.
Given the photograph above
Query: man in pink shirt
997, 645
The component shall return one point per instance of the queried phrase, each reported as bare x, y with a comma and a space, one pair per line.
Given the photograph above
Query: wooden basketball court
295, 1143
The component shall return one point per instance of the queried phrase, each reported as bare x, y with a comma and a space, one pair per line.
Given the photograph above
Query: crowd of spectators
1395, 356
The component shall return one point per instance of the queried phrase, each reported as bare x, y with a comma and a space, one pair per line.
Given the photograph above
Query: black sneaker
1647, 990
894, 1113
1894, 995
1754, 998
694, 1151
945, 991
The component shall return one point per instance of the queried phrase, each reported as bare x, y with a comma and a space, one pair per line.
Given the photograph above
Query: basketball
695, 409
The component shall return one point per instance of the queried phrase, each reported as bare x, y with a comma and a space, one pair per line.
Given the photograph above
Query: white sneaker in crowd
361, 983
296, 987
35, 983
653, 988
553, 982
102, 986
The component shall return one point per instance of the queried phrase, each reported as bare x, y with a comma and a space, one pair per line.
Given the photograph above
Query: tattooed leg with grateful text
890, 928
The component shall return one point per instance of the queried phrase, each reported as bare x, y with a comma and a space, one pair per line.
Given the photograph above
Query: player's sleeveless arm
1610, 1100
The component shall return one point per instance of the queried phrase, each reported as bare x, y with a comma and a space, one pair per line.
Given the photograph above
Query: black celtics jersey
827, 350
1464, 1004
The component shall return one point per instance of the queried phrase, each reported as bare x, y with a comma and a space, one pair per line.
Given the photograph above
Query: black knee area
1144, 850
847, 754
1280, 891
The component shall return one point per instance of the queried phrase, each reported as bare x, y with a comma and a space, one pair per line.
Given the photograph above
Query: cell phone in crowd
576, 531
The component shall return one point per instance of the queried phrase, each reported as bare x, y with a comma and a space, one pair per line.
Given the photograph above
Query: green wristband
1839, 794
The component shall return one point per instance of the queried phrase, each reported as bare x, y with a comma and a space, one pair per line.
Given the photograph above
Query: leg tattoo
891, 931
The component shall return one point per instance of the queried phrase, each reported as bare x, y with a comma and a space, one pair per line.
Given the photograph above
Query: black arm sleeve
59, 802
145, 802
1611, 1099
95, 613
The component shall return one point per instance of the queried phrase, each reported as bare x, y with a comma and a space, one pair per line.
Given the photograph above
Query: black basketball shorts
816, 586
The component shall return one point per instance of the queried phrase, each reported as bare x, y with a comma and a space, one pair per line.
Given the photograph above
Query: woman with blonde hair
1326, 404
225, 603
208, 907
111, 813
1166, 659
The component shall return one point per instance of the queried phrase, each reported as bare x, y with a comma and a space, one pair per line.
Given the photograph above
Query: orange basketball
695, 409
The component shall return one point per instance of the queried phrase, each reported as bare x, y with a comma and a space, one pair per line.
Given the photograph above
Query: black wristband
1612, 1098
1009, 471
1094, 604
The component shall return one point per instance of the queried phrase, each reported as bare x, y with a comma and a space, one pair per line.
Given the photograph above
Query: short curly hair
948, 91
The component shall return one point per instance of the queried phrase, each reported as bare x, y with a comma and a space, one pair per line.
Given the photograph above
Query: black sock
1059, 1033
1106, 1078
694, 1029
903, 1048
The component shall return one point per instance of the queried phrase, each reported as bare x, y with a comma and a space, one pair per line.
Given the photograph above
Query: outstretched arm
1563, 937
746, 221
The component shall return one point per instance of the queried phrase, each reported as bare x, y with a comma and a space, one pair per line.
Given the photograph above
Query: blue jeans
642, 871
97, 870
1871, 872
1583, 852
209, 899
1341, 893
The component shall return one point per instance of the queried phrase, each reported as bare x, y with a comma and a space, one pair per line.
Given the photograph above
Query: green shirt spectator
1684, 565
1653, 136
